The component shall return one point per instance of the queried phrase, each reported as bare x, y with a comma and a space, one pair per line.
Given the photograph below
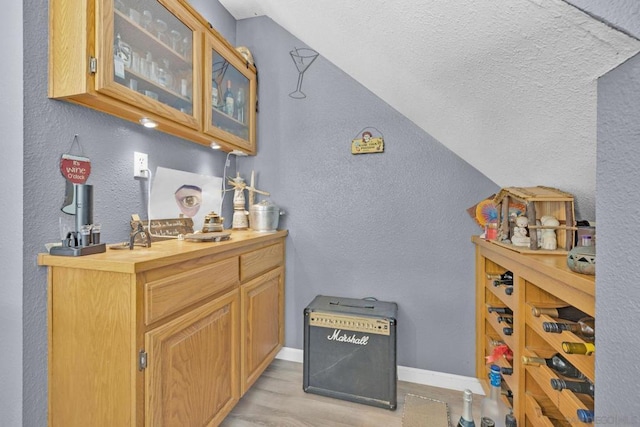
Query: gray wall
618, 208
11, 218
393, 225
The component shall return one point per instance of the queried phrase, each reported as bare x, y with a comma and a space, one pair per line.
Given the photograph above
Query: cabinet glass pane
153, 53
229, 98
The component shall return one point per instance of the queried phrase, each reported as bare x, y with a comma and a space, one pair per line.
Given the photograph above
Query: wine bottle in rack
500, 310
585, 415
586, 348
505, 319
466, 419
569, 313
507, 275
508, 290
584, 328
507, 331
583, 387
557, 363
506, 371
510, 420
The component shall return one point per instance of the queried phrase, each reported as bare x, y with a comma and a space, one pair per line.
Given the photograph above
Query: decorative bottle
584, 328
583, 387
492, 406
466, 419
569, 313
229, 100
557, 363
586, 348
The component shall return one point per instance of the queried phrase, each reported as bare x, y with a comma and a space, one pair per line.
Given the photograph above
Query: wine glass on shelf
240, 103
302, 58
146, 20
176, 41
161, 31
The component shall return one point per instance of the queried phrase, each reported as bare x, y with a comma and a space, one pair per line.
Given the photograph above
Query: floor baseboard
413, 375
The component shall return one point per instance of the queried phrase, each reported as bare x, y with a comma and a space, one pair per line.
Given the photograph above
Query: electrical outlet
140, 165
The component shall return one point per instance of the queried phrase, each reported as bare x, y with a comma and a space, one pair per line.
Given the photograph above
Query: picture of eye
189, 199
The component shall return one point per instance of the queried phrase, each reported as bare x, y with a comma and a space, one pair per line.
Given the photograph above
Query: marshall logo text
364, 340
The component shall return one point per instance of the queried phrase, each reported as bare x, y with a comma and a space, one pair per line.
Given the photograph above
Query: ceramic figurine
240, 215
520, 237
549, 241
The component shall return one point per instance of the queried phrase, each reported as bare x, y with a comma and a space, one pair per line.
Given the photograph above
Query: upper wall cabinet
139, 59
230, 85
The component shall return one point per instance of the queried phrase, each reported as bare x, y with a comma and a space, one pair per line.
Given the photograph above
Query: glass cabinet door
230, 95
150, 56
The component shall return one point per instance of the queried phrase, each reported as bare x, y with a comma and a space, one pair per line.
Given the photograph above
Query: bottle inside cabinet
153, 53
230, 113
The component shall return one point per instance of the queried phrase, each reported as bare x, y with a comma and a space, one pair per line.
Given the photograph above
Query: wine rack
539, 280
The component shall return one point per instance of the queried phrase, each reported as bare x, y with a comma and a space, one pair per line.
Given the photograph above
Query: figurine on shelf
548, 240
240, 215
520, 231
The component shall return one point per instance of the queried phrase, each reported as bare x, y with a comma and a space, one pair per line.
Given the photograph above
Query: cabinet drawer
261, 260
168, 295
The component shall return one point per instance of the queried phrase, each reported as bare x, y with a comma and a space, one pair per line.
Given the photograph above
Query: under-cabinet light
214, 145
148, 123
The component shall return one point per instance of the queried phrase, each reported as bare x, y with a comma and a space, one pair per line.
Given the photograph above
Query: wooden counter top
554, 266
160, 253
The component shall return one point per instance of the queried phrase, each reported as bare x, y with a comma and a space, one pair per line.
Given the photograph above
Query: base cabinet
168, 337
539, 281
262, 302
193, 365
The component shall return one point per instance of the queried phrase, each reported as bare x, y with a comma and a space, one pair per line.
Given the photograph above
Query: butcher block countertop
160, 253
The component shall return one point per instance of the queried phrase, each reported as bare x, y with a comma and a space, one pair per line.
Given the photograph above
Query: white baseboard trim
405, 373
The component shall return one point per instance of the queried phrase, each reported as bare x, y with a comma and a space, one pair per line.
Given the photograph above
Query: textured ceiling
508, 85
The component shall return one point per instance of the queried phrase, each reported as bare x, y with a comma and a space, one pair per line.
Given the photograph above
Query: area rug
422, 411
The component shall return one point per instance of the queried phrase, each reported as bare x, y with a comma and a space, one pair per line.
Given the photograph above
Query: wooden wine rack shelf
542, 281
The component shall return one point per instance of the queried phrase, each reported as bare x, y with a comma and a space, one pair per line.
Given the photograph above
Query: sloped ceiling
508, 85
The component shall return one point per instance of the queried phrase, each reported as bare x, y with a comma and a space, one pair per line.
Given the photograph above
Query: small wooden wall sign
367, 144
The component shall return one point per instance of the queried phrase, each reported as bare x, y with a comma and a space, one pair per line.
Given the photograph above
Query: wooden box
534, 203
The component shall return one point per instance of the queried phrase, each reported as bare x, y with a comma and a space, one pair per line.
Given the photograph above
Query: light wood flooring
277, 399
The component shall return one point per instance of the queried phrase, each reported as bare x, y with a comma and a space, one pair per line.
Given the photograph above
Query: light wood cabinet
231, 86
171, 335
538, 281
144, 59
262, 310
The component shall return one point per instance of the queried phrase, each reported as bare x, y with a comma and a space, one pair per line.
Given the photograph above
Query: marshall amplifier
350, 350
